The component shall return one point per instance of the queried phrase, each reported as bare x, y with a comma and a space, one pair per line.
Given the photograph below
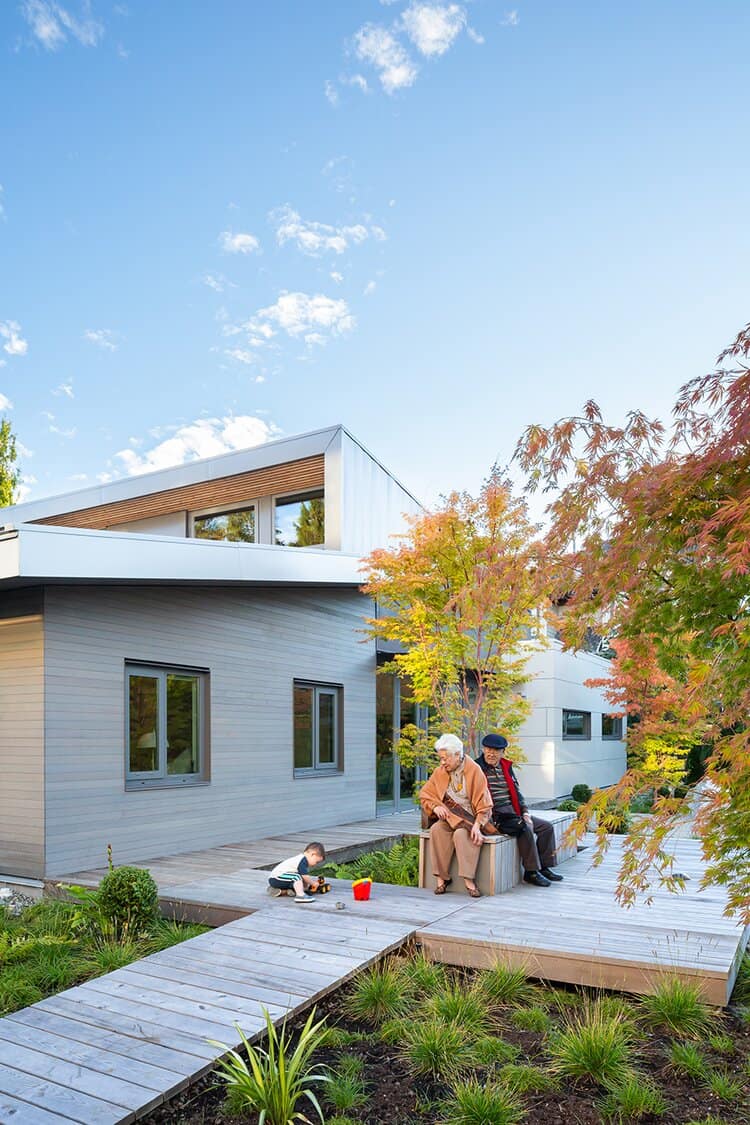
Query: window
237, 526
166, 734
317, 728
299, 521
576, 724
612, 726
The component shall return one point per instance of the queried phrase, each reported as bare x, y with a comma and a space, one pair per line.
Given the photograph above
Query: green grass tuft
437, 1049
491, 1050
724, 1086
688, 1059
503, 984
721, 1043
633, 1099
476, 1103
525, 1079
593, 1045
677, 1008
378, 995
531, 1019
422, 976
466, 1008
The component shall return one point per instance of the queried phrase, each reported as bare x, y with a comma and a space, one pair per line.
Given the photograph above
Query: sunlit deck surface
111, 1049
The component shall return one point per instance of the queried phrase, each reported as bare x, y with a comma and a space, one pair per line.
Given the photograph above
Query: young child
295, 873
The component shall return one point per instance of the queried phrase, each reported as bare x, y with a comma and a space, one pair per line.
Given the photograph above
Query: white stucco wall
554, 765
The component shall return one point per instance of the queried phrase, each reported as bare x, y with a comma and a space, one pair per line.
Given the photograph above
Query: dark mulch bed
395, 1097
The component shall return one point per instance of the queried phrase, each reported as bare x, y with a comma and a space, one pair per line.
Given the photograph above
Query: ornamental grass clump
677, 1008
523, 1078
593, 1045
632, 1100
465, 1008
687, 1059
346, 1089
724, 1086
422, 976
491, 1050
482, 1103
274, 1079
531, 1019
436, 1048
379, 994
503, 984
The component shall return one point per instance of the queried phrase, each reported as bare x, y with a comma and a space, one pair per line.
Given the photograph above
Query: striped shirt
498, 786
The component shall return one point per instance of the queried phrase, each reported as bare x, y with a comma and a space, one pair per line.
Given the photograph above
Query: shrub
687, 1059
129, 898
722, 1085
633, 1099
531, 1019
464, 1008
677, 1007
581, 793
505, 985
568, 805
593, 1045
525, 1079
475, 1103
435, 1048
378, 995
274, 1079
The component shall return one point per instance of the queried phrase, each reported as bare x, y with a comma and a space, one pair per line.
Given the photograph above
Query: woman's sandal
443, 887
473, 892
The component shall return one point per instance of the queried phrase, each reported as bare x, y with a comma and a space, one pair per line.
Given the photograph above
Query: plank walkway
109, 1050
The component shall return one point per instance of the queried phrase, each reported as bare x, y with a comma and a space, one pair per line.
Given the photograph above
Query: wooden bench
499, 866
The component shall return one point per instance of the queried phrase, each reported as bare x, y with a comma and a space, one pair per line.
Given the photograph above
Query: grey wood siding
22, 747
254, 644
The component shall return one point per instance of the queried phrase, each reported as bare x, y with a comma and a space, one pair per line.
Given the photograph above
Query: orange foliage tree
649, 542
461, 593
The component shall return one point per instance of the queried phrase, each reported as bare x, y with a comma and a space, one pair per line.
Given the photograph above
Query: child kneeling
294, 874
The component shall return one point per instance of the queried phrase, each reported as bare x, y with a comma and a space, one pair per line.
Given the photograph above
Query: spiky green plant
688, 1059
710, 1120
503, 984
526, 1079
423, 977
466, 1008
106, 956
677, 1007
399, 865
741, 991
377, 995
721, 1043
338, 1037
274, 1079
165, 933
346, 1089
724, 1086
531, 1019
491, 1050
393, 1031
436, 1048
16, 990
631, 1100
478, 1103
594, 1045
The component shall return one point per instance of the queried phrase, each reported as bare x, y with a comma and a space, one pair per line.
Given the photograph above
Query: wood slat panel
292, 476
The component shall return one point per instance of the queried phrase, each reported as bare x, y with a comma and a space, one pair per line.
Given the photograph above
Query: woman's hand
440, 812
476, 835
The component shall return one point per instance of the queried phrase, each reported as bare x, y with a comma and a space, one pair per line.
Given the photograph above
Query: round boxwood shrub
580, 793
129, 899
568, 805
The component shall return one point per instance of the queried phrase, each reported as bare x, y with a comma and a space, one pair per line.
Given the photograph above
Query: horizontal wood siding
22, 748
293, 476
254, 644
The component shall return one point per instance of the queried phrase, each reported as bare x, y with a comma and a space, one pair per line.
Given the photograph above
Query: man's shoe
535, 878
553, 877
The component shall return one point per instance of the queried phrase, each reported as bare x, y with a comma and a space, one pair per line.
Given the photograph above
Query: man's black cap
495, 742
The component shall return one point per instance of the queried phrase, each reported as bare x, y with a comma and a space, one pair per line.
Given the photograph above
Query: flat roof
38, 554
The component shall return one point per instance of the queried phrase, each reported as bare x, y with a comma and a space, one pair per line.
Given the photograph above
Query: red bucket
361, 889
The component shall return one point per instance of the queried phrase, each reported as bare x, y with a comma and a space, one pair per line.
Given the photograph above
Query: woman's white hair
451, 744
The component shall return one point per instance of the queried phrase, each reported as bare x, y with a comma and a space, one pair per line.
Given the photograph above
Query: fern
398, 865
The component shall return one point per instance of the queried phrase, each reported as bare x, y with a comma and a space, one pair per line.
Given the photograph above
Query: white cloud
23, 450
357, 80
79, 477
317, 238
432, 28
71, 433
241, 355
205, 437
238, 243
217, 282
64, 389
331, 93
369, 288
475, 36
51, 24
379, 47
336, 276
104, 338
5, 403
511, 19
314, 318
10, 331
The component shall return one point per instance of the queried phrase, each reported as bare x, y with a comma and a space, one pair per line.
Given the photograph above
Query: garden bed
404, 1038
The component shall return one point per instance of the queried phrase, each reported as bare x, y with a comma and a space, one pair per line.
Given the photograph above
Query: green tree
462, 594
9, 474
311, 523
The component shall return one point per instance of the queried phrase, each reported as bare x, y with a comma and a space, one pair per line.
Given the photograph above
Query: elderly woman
456, 797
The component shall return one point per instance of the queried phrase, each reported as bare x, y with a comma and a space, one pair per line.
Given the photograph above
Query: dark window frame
136, 780
586, 736
616, 719
318, 769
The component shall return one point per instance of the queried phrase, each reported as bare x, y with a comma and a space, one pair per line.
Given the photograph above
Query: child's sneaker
303, 898
277, 892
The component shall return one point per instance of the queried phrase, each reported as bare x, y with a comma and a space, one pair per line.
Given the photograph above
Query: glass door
395, 781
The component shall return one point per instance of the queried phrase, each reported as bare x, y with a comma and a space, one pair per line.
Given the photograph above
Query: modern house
182, 662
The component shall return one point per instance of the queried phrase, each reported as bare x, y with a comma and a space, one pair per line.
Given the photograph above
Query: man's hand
476, 834
440, 812
529, 819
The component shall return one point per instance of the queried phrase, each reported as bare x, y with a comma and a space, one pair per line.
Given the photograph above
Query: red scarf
506, 767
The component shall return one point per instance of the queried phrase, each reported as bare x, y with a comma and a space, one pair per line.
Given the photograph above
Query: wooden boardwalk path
111, 1049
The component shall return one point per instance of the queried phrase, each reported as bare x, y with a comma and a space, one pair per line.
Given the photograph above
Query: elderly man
536, 837
457, 798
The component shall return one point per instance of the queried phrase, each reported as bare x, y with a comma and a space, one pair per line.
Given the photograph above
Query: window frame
586, 736
223, 510
612, 737
289, 498
137, 780
326, 769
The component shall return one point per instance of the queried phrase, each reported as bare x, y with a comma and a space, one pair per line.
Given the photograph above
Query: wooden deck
108, 1051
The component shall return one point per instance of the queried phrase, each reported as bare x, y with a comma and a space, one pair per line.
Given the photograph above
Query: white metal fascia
42, 553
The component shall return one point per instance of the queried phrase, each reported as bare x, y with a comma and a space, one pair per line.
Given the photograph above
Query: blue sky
433, 222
